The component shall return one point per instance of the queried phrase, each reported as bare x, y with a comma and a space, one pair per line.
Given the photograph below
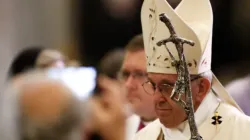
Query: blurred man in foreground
35, 107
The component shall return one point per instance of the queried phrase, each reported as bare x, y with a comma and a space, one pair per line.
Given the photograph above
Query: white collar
206, 108
146, 123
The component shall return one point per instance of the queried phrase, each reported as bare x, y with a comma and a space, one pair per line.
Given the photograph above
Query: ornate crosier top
182, 85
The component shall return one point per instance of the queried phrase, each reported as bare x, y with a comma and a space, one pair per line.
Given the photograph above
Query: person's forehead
135, 60
162, 78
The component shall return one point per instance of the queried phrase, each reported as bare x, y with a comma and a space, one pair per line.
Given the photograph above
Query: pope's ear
204, 87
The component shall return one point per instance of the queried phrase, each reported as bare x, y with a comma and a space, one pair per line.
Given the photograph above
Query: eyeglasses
164, 89
137, 75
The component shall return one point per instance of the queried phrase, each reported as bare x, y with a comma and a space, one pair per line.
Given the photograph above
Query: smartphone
81, 80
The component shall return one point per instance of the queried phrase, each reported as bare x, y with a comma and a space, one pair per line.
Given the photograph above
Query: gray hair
208, 75
16, 125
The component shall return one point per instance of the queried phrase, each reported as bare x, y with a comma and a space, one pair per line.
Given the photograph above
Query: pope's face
169, 112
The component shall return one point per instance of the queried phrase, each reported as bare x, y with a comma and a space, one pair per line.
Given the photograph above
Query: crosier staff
182, 85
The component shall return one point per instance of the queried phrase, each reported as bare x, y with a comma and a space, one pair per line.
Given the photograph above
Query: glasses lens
137, 75
149, 88
166, 89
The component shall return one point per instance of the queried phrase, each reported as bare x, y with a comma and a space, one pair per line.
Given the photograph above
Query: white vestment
234, 126
132, 125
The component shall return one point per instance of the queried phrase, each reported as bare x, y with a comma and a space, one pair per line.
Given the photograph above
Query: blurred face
50, 59
170, 113
58, 64
133, 74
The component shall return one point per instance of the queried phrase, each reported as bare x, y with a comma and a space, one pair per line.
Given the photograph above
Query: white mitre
192, 20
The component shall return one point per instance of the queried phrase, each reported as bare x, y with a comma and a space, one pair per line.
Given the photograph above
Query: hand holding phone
108, 111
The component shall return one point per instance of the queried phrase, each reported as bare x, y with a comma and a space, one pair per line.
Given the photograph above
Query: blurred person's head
50, 58
133, 73
35, 57
111, 63
35, 107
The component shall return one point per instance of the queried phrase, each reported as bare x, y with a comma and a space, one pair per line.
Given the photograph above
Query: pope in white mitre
217, 115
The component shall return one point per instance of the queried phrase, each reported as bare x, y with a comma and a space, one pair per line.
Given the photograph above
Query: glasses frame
171, 86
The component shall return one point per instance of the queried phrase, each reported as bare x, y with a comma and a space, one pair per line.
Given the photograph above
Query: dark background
99, 32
